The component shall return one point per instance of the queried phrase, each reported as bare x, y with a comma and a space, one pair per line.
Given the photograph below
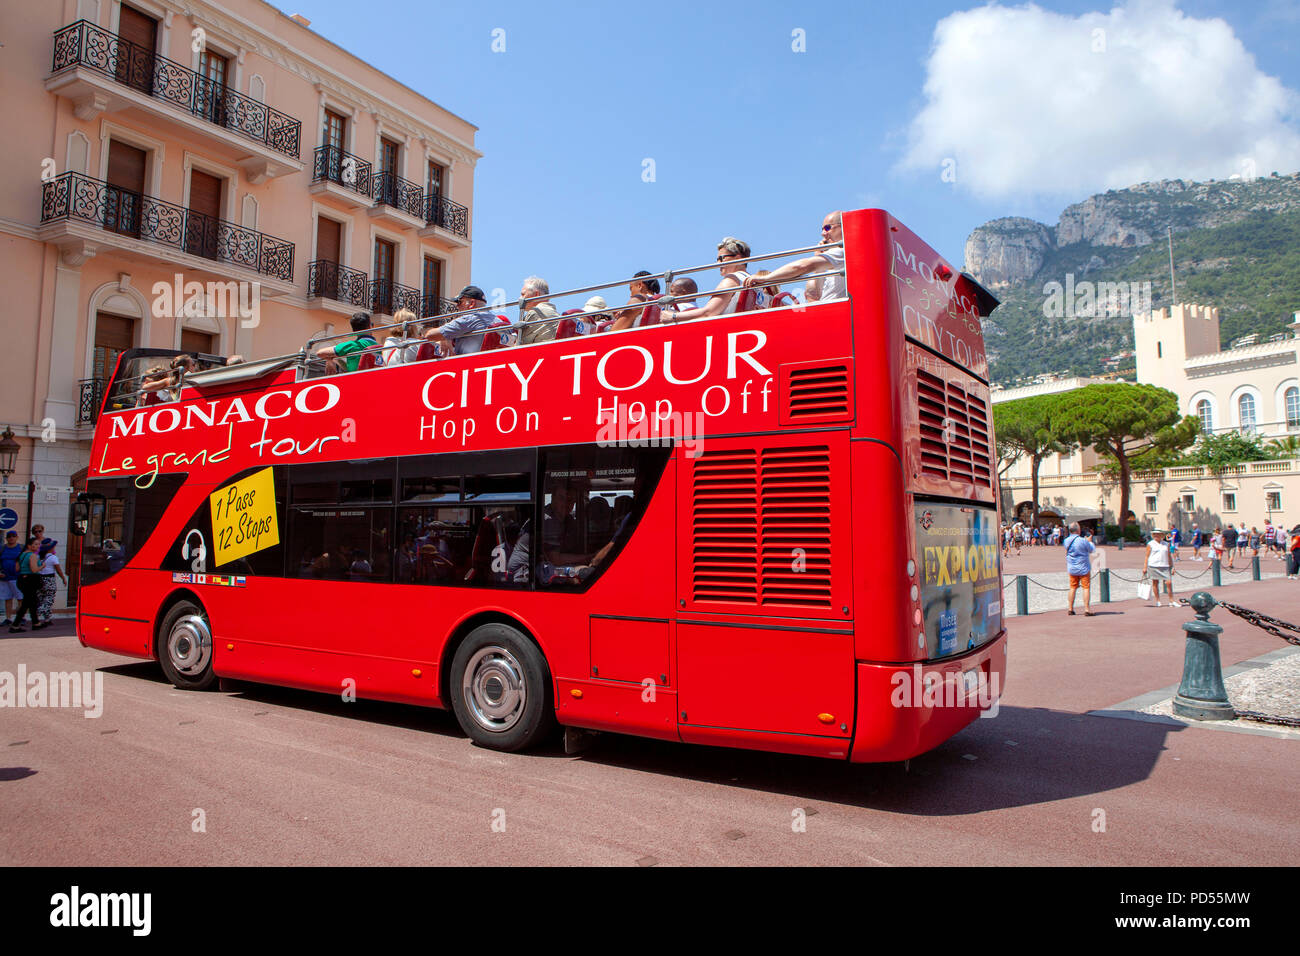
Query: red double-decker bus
773, 529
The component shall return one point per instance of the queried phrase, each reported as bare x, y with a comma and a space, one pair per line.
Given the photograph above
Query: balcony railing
393, 190
85, 45
452, 216
91, 399
339, 166
330, 280
73, 196
388, 297
432, 306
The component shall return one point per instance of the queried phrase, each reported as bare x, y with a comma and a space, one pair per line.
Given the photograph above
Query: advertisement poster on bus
961, 602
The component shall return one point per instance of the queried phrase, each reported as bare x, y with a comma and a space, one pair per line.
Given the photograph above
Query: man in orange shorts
1078, 564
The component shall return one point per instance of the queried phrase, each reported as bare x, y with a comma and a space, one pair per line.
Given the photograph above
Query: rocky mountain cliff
1231, 240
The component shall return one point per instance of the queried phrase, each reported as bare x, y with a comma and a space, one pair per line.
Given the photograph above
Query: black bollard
1201, 695
1254, 566
1216, 572
1103, 583
1022, 594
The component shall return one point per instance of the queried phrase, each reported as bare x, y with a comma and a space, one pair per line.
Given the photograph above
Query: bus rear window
122, 517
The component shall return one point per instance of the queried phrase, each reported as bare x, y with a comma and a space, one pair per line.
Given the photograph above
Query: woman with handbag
1158, 565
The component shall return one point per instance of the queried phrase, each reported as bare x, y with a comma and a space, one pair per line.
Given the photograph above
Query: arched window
1246, 413
1292, 403
1205, 411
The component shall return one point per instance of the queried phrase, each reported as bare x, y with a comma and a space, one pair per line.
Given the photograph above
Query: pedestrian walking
49, 564
29, 583
9, 575
1197, 542
1159, 565
1078, 565
1230, 544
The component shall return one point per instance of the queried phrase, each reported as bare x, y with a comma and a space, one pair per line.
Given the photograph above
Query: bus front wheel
501, 688
185, 647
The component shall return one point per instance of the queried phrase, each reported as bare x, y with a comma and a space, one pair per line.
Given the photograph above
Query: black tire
185, 647
501, 689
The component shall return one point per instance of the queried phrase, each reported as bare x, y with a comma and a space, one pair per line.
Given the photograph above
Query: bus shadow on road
1021, 757
1024, 756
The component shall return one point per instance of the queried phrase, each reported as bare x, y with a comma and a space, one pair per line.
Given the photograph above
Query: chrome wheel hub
189, 645
494, 689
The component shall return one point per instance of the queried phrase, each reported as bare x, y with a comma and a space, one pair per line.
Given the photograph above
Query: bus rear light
916, 617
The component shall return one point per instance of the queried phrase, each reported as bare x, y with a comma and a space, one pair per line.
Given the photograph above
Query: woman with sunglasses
724, 299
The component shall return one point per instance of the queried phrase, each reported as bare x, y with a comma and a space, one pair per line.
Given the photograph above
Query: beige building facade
1253, 387
210, 177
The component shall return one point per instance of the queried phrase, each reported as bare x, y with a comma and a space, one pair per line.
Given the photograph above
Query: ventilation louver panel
818, 394
762, 527
954, 426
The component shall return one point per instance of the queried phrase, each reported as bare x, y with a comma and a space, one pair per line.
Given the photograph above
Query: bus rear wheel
501, 689
185, 647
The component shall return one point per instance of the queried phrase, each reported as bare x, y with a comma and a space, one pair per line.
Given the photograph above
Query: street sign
8, 519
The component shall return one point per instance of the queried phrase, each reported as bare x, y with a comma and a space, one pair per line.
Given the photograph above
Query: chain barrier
1263, 621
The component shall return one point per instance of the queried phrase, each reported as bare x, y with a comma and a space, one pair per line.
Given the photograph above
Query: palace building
1252, 387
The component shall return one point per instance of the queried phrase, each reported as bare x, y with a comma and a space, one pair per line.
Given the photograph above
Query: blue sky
752, 139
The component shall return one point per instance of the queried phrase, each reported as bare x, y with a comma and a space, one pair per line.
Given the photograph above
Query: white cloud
1033, 102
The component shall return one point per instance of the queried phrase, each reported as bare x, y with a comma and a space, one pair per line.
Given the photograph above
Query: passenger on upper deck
642, 290
538, 318
723, 301
400, 345
833, 286
458, 336
684, 290
350, 350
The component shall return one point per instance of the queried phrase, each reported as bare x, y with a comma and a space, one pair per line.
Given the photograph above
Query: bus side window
592, 497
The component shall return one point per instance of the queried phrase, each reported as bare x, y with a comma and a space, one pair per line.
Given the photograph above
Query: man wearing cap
538, 319
463, 334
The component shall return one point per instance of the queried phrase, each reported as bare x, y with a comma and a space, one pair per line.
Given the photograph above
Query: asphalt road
285, 777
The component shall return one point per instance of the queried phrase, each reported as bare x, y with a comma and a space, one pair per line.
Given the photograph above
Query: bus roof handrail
673, 273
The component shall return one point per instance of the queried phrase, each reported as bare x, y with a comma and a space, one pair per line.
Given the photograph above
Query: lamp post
8, 456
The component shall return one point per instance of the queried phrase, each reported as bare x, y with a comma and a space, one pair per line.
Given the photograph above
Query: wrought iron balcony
329, 280
432, 306
387, 297
91, 400
339, 166
401, 194
74, 197
85, 45
452, 216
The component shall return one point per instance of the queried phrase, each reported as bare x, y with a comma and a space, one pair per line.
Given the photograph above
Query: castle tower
1166, 338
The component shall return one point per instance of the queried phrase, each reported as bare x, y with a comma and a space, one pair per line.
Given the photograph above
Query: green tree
1287, 447
1024, 429
1229, 448
1122, 421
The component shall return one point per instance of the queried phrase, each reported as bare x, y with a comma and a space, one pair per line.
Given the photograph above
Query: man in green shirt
349, 353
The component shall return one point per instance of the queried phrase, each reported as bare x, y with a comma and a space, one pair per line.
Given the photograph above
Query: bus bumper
906, 709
